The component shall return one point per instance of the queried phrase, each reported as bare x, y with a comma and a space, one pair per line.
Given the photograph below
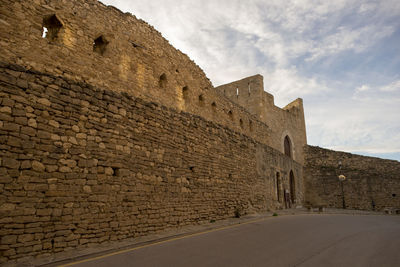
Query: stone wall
288, 121
89, 42
82, 165
371, 183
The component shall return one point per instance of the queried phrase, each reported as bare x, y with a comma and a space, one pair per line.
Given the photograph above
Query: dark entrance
292, 187
278, 187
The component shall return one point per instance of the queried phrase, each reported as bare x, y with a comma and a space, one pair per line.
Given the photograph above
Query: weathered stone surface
37, 166
44, 101
25, 238
32, 123
154, 159
75, 128
26, 164
370, 184
9, 239
10, 163
54, 123
7, 207
5, 109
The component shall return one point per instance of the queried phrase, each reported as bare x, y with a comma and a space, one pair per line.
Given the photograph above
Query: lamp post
342, 178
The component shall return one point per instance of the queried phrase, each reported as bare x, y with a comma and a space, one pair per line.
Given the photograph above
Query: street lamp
342, 178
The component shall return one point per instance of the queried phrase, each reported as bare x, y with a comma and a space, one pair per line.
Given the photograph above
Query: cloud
362, 88
357, 40
392, 87
388, 94
365, 123
288, 84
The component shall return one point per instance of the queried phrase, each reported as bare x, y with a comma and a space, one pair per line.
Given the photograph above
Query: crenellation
288, 121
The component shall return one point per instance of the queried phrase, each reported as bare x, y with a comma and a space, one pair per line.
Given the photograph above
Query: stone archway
287, 144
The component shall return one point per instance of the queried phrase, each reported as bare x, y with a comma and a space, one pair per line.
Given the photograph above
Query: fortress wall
289, 121
82, 165
246, 92
371, 183
135, 59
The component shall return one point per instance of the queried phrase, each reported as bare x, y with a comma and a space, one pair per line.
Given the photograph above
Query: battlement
288, 121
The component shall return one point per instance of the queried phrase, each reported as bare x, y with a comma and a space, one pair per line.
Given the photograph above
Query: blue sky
342, 57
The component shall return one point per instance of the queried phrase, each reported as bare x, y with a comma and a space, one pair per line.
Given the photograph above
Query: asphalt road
301, 240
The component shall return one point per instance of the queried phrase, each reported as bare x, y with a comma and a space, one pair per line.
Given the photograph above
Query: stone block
9, 252
32, 123
5, 117
44, 101
68, 162
108, 171
38, 166
44, 212
25, 238
28, 131
7, 207
54, 123
21, 120
64, 169
5, 109
10, 163
11, 127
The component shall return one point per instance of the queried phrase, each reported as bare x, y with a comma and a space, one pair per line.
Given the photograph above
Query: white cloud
362, 88
367, 122
392, 87
288, 84
357, 40
367, 7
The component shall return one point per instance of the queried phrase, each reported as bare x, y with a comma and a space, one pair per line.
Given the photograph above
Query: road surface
300, 240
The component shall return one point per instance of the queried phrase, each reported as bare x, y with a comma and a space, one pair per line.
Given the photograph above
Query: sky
341, 57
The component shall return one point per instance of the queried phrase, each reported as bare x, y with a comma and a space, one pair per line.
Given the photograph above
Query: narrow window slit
115, 171
201, 100
162, 82
100, 45
51, 27
185, 92
230, 114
